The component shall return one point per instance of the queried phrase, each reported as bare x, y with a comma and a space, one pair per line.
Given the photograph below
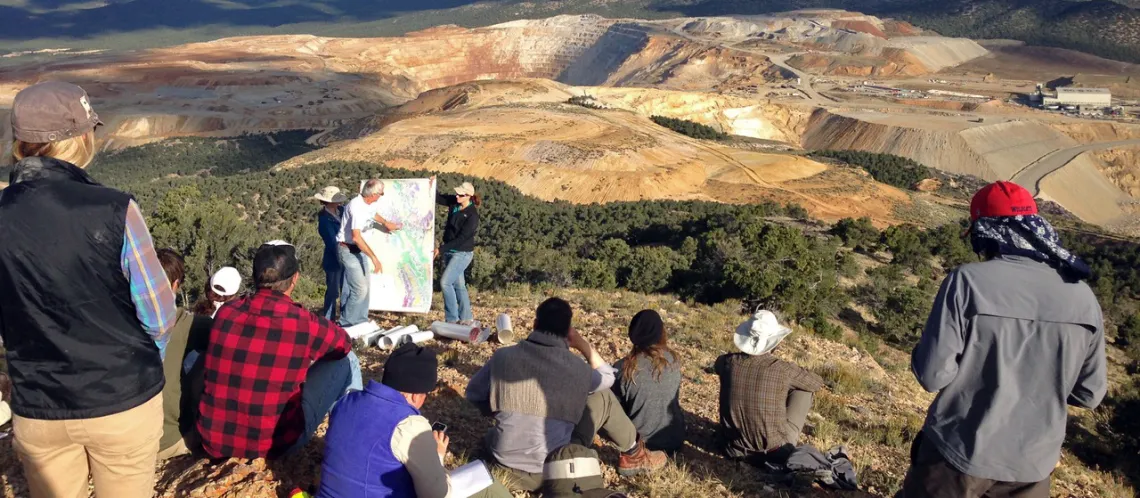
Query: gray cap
52, 111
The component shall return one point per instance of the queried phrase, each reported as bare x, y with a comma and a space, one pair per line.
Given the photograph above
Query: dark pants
334, 279
325, 383
931, 476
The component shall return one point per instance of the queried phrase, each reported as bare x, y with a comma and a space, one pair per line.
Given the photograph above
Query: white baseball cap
226, 281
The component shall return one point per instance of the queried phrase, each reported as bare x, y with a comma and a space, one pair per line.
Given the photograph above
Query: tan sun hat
330, 194
466, 189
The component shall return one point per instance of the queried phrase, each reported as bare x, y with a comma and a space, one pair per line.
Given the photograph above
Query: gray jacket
1008, 344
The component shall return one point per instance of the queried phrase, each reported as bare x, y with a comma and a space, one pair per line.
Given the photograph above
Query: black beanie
411, 369
646, 329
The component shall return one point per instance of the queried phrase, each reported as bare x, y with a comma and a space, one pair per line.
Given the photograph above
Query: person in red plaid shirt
273, 369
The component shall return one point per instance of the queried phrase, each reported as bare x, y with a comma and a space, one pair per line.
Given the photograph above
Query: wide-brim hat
331, 194
760, 334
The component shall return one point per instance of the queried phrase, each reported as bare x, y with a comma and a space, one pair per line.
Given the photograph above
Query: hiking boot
640, 460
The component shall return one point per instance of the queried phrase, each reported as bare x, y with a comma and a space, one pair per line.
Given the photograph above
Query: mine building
1080, 97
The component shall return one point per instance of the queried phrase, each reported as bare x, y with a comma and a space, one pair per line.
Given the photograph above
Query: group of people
108, 375
348, 259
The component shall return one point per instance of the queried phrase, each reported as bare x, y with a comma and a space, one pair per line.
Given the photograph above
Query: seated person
378, 444
764, 401
190, 333
650, 384
273, 369
544, 397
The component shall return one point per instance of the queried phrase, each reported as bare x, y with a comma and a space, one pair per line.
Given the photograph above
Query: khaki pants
117, 450
603, 415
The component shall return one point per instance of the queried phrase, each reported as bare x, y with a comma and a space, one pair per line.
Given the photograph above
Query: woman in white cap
223, 288
458, 249
328, 225
764, 401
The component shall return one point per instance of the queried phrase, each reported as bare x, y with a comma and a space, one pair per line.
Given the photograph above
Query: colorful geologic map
406, 255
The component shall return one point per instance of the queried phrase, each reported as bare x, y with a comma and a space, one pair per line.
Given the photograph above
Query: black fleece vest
75, 347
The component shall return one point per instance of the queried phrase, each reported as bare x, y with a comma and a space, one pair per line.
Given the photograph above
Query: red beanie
1002, 199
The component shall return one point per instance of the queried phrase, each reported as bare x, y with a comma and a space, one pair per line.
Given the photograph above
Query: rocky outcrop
1122, 166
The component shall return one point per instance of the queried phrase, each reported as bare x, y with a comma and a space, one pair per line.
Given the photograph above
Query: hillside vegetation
858, 290
894, 170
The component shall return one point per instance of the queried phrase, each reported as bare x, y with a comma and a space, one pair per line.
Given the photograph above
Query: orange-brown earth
526, 135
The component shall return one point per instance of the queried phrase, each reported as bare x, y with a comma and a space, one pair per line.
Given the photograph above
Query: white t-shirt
357, 216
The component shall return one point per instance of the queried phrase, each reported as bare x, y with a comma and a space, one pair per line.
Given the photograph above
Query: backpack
574, 471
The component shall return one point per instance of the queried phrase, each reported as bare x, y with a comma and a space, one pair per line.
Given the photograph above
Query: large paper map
406, 255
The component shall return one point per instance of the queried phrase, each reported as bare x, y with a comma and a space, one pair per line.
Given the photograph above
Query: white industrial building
1085, 97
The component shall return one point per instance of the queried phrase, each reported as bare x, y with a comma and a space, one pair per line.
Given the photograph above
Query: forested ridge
216, 207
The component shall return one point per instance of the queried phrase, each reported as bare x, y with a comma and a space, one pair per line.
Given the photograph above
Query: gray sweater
517, 381
652, 404
1008, 344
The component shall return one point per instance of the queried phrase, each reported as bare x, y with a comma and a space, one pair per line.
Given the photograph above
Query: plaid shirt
260, 350
754, 398
150, 291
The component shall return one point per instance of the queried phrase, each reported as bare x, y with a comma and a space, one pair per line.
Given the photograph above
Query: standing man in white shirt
356, 257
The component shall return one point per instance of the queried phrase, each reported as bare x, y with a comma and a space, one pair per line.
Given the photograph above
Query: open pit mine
494, 102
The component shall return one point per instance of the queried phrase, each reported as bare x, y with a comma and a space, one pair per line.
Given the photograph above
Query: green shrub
650, 269
690, 128
859, 235
887, 168
595, 275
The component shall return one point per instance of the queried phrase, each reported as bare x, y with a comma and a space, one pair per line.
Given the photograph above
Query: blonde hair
75, 150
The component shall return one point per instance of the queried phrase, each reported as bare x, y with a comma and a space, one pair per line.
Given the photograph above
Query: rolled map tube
392, 339
506, 334
373, 338
465, 333
417, 337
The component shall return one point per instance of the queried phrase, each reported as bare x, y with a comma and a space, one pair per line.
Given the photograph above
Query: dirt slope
989, 151
1122, 166
1082, 189
528, 138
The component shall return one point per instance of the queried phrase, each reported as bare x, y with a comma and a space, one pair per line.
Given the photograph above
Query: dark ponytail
476, 200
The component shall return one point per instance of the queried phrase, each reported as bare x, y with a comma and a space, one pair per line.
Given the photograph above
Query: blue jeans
456, 302
325, 383
354, 294
333, 281
356, 379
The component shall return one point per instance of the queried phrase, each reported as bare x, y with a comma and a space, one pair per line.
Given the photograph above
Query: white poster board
406, 255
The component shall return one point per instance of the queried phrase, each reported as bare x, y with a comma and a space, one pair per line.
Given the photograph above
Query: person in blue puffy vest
379, 445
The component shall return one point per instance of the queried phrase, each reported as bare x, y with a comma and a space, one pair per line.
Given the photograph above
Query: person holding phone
359, 464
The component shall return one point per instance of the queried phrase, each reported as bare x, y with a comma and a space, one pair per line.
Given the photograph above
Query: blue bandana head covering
1029, 236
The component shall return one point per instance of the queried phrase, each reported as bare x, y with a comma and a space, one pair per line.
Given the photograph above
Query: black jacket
459, 231
75, 347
